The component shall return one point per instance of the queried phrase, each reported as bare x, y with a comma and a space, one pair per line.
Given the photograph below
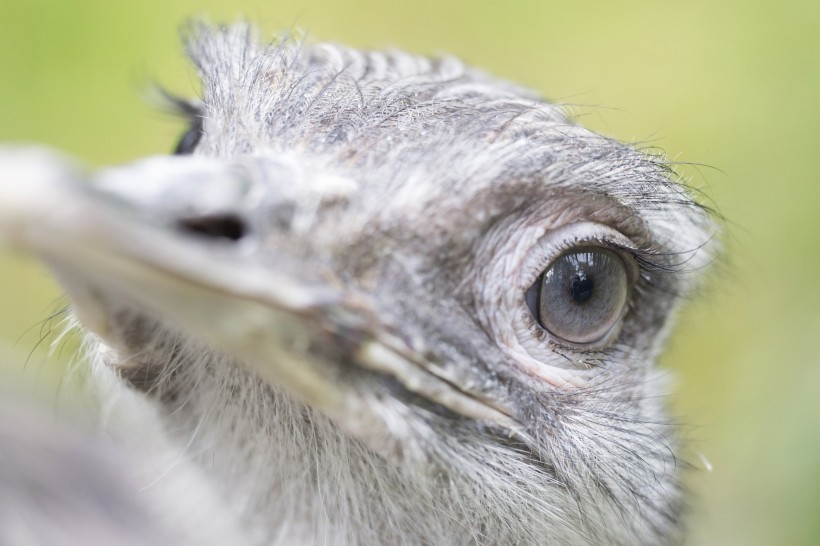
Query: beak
98, 244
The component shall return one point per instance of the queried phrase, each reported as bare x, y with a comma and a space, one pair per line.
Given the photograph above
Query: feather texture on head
330, 306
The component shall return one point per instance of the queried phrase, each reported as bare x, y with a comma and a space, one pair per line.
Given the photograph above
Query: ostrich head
384, 299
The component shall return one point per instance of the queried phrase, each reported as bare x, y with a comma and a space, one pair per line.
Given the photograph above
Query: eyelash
189, 110
652, 263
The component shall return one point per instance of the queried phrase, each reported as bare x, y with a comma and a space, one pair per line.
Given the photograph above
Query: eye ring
581, 296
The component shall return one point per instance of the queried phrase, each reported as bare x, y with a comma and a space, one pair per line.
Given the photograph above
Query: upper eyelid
552, 245
635, 267
663, 259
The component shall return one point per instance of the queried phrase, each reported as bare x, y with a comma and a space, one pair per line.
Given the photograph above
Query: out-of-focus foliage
731, 85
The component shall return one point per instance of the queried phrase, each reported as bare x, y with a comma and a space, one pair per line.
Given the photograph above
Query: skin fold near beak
100, 245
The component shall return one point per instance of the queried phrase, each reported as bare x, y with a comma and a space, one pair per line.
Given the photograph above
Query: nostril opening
215, 226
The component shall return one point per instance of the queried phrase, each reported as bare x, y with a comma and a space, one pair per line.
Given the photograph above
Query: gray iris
583, 294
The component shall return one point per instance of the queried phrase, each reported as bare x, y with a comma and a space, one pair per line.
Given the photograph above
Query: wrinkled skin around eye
581, 295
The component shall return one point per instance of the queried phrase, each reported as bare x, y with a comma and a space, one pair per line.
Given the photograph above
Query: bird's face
460, 279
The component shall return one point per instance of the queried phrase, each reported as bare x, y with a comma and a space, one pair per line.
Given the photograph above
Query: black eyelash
178, 106
656, 267
190, 110
657, 260
660, 268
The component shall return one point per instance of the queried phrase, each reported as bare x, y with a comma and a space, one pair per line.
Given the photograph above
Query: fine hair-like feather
410, 202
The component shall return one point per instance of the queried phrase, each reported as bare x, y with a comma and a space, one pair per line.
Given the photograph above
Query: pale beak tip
33, 181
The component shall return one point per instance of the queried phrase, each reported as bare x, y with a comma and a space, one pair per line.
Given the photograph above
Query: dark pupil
580, 288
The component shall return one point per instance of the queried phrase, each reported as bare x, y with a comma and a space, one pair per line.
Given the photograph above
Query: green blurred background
731, 85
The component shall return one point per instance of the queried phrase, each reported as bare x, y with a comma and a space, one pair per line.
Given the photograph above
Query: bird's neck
287, 474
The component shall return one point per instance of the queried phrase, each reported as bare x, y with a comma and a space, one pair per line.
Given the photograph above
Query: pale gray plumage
360, 366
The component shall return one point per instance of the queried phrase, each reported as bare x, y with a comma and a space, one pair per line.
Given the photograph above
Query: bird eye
189, 140
581, 295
